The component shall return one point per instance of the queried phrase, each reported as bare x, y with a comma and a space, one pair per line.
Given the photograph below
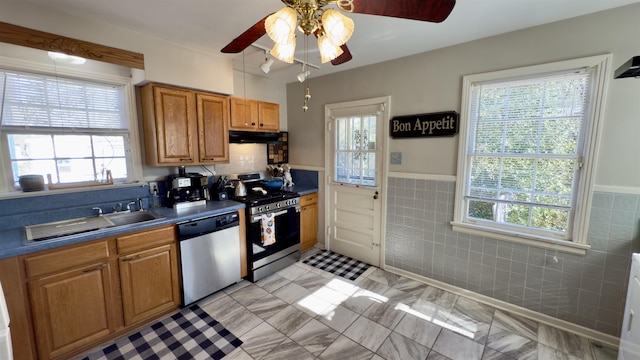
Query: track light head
266, 65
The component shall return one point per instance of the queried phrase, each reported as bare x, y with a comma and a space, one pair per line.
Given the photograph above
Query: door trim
384, 171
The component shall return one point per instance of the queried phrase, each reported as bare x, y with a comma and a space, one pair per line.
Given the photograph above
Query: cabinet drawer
309, 199
66, 259
145, 239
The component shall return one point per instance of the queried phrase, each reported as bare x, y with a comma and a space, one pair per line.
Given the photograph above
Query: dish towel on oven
268, 226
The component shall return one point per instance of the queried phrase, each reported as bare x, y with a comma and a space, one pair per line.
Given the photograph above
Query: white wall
431, 82
165, 62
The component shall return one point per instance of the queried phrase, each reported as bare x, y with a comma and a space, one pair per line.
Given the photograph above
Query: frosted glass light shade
281, 25
328, 50
284, 52
338, 27
69, 59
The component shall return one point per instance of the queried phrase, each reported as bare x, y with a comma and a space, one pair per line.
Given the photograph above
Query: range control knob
259, 209
267, 207
278, 205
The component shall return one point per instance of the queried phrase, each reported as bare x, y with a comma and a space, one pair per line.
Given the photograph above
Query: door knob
375, 196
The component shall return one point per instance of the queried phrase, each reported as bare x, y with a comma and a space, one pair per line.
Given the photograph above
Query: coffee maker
186, 188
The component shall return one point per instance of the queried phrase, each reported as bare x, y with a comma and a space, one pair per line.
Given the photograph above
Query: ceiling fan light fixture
281, 25
284, 52
69, 59
337, 26
328, 50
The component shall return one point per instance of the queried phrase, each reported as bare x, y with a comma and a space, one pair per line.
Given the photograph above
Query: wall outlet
153, 185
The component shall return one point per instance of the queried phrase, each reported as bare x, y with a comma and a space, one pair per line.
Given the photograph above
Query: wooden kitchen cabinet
184, 127
80, 296
72, 305
148, 274
308, 221
253, 115
213, 128
268, 116
244, 114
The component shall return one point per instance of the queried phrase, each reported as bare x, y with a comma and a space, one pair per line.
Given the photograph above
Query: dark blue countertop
303, 189
12, 241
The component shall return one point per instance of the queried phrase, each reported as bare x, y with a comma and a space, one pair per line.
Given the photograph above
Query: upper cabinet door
175, 125
244, 114
213, 129
269, 116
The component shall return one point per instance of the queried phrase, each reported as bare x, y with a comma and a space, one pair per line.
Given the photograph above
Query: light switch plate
396, 158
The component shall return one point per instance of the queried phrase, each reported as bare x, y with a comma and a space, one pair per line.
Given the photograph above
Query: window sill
544, 243
20, 194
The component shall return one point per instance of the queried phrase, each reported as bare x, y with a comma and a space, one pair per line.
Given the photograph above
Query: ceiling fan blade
246, 38
423, 10
344, 57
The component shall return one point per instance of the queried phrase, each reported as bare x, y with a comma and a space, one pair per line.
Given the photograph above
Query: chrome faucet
97, 210
129, 205
118, 207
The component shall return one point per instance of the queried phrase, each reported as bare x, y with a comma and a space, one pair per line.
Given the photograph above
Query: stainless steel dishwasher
209, 254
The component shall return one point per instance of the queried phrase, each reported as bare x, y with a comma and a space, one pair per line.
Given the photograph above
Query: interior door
354, 166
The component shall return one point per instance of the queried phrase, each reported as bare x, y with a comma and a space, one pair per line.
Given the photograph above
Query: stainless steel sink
57, 229
119, 219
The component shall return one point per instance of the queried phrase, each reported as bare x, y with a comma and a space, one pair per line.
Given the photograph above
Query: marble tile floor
305, 313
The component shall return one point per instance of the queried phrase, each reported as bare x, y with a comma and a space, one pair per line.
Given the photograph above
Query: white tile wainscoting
584, 290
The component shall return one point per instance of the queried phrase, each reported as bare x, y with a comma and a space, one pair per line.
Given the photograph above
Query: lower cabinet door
149, 282
308, 226
71, 309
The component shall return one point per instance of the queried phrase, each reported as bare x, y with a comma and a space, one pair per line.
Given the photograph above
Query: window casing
72, 126
528, 141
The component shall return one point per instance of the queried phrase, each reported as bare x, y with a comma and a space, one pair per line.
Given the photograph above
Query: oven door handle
282, 212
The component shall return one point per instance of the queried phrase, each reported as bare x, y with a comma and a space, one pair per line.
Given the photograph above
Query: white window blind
34, 100
524, 151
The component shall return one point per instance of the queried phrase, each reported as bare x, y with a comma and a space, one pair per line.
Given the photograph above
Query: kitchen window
74, 131
528, 141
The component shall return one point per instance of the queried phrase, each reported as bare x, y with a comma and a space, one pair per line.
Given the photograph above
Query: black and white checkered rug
337, 264
189, 334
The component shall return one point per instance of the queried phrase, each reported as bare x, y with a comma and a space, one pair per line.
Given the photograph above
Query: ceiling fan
330, 26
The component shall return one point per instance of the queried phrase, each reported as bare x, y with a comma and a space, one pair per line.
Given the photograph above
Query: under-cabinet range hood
247, 137
629, 69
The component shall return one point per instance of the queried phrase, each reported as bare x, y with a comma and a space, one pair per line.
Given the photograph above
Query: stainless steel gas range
284, 206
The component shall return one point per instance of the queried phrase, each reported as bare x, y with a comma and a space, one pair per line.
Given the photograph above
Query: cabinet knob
253, 124
261, 125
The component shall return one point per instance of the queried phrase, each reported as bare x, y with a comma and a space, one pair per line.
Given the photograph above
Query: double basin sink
58, 229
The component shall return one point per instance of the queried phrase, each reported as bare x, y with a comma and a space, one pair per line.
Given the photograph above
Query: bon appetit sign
425, 125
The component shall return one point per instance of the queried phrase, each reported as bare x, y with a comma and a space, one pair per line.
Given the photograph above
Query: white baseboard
518, 310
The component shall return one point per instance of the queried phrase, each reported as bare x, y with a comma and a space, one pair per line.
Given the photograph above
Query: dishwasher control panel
200, 226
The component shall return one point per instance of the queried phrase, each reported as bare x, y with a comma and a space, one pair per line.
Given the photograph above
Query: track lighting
266, 65
303, 75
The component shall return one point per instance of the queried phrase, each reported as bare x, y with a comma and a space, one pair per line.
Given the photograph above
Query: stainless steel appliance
209, 254
263, 260
186, 188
